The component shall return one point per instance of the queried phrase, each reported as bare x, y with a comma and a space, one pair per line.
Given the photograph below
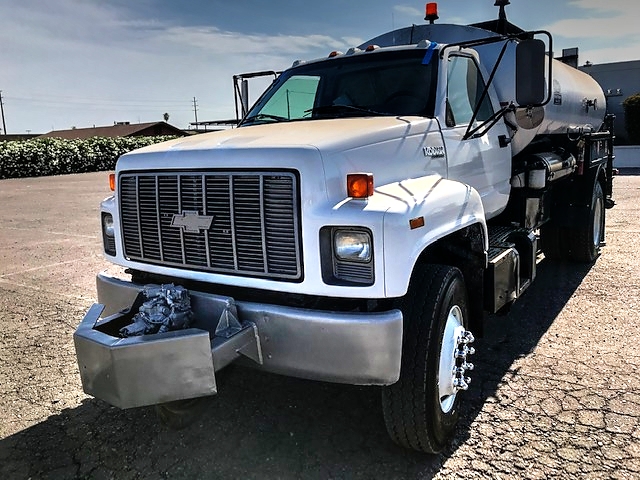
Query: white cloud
605, 31
353, 41
409, 12
606, 28
220, 42
85, 63
609, 19
605, 6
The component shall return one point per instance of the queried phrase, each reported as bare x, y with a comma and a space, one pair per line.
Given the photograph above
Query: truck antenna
502, 4
502, 16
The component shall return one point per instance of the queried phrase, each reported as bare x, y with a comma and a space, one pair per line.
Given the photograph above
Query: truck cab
407, 85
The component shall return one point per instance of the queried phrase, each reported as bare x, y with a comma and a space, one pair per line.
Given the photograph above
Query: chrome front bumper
354, 348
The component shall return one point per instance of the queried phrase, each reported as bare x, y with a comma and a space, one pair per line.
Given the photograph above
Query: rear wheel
421, 409
585, 240
581, 243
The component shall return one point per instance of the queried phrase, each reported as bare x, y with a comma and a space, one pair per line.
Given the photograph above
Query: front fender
438, 206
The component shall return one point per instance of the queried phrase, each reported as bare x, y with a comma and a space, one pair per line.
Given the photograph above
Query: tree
632, 118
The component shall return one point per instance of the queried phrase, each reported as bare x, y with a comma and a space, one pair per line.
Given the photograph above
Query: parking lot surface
554, 395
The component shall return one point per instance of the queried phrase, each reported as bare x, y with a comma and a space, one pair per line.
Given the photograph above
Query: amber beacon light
432, 12
359, 185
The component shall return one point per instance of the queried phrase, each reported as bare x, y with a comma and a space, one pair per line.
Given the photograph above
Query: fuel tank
577, 102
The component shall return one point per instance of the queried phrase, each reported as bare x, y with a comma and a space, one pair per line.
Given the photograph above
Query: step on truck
365, 215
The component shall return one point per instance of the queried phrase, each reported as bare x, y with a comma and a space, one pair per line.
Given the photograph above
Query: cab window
464, 91
294, 99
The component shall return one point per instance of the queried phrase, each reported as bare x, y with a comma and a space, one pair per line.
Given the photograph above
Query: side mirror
530, 79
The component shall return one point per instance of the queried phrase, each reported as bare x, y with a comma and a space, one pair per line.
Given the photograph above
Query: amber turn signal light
359, 185
112, 182
416, 223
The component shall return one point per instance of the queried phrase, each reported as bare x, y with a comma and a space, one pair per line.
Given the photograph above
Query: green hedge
632, 118
55, 156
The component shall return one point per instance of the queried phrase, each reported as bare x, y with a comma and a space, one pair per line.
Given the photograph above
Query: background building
619, 80
120, 129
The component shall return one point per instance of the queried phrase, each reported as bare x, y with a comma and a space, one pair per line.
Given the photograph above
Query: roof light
335, 53
112, 182
371, 48
359, 185
431, 12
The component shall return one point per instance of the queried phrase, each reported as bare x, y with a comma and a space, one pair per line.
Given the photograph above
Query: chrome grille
254, 232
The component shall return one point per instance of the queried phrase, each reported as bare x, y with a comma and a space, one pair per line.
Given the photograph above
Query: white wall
627, 157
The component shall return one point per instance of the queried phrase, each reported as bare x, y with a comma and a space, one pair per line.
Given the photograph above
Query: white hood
329, 135
323, 150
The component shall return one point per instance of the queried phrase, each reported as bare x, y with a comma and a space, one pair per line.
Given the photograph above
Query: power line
39, 95
4, 125
96, 103
195, 109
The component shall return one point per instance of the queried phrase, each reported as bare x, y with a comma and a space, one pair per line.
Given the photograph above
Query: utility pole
4, 125
195, 110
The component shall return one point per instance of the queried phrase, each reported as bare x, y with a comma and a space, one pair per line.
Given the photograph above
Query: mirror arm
490, 122
485, 92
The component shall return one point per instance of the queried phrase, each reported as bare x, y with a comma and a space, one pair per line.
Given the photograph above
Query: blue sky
80, 63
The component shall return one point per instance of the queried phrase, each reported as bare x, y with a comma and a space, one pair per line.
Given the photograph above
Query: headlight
107, 225
352, 246
108, 234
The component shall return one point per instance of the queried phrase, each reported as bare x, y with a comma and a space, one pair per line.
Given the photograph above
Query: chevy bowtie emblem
192, 222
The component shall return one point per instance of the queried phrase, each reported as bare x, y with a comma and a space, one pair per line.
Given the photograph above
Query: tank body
577, 100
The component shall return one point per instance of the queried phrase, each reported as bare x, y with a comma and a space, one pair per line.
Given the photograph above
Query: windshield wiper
327, 109
265, 116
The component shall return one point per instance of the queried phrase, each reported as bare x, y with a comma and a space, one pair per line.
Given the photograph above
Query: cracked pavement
554, 393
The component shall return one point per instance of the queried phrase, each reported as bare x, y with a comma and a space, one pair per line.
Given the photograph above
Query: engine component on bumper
163, 367
141, 370
167, 308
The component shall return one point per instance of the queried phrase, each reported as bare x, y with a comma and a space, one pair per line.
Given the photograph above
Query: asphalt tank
577, 103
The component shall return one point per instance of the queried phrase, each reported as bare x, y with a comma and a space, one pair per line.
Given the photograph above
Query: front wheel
421, 410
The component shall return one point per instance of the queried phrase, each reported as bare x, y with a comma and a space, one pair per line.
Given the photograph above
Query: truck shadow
515, 335
267, 426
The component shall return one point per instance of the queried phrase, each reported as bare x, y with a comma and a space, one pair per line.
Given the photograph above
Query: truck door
480, 162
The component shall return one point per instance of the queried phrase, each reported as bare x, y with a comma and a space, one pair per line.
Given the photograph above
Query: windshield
375, 84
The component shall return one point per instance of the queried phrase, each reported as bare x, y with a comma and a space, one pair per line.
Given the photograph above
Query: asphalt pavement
554, 394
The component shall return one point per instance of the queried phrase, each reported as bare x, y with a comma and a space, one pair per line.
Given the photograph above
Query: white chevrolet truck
357, 225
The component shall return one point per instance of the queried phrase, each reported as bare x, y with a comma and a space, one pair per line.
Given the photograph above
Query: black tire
412, 407
181, 413
578, 244
584, 241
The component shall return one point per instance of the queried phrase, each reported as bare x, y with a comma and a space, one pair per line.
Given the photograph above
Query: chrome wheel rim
453, 332
597, 222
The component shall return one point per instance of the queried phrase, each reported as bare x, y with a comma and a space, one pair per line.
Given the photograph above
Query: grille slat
255, 229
